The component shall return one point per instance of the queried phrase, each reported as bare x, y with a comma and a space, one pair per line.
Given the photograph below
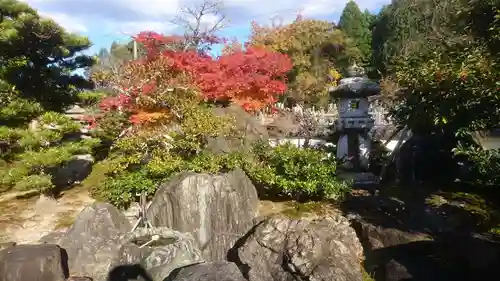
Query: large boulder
172, 250
395, 255
216, 209
92, 241
33, 262
377, 237
248, 130
281, 249
75, 171
212, 271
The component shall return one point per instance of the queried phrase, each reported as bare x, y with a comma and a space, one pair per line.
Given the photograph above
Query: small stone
33, 262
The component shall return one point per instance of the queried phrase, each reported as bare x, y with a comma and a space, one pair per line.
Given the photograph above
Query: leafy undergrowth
366, 275
284, 172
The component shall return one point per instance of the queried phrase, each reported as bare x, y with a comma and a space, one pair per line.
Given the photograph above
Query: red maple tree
252, 77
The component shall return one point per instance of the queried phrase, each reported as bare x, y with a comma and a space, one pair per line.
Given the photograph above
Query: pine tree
38, 58
356, 25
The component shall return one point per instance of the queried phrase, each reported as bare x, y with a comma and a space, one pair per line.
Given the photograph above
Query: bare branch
200, 22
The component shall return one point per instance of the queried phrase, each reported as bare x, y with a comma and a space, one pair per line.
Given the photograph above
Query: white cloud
114, 16
71, 24
133, 27
319, 7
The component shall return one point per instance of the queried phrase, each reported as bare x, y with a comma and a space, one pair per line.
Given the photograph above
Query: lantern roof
357, 85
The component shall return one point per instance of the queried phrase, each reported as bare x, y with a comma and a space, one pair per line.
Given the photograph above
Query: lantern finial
355, 71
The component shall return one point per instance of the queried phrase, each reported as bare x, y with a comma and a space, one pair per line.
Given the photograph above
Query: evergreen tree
38, 58
356, 25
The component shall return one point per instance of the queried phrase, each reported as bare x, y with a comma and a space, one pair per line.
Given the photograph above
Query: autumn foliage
317, 48
252, 77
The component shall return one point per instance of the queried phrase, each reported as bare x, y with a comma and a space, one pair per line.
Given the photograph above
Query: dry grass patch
297, 210
11, 211
65, 220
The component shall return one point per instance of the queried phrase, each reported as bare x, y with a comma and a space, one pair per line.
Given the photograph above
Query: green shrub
90, 98
30, 155
15, 111
481, 165
285, 170
122, 190
297, 172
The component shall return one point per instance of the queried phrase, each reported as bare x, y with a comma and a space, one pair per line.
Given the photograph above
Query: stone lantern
354, 120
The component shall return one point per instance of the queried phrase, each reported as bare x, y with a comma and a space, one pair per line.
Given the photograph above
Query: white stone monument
354, 119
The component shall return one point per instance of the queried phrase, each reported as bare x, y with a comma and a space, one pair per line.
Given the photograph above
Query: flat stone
33, 262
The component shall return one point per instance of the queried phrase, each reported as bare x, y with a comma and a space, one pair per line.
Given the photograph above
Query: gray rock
76, 170
280, 249
381, 245
172, 250
397, 255
5, 245
33, 262
74, 278
377, 237
216, 209
212, 271
248, 130
51, 238
92, 241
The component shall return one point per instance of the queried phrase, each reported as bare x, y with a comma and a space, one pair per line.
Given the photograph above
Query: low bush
90, 98
30, 155
297, 172
111, 181
283, 171
480, 166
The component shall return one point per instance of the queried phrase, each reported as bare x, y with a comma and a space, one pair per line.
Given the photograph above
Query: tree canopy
318, 50
356, 25
446, 58
38, 59
441, 59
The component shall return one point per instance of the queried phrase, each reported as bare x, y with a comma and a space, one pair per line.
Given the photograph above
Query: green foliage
90, 98
119, 180
44, 53
15, 110
30, 155
285, 170
444, 57
356, 25
18, 140
402, 28
123, 190
408, 27
482, 165
110, 126
296, 172
450, 70
453, 91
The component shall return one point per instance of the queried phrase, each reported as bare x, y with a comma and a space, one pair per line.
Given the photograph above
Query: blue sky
105, 21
